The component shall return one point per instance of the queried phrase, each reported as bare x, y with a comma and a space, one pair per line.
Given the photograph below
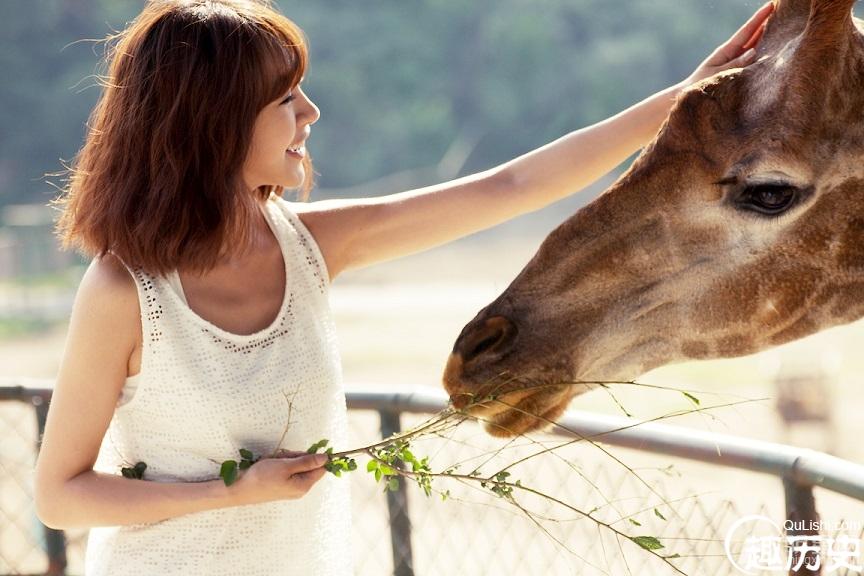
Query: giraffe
739, 227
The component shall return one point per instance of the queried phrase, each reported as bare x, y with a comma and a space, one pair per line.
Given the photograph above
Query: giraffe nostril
484, 345
494, 336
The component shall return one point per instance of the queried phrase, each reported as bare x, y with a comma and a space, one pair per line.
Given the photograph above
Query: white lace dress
204, 393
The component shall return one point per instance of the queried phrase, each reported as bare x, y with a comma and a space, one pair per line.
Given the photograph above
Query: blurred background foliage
400, 82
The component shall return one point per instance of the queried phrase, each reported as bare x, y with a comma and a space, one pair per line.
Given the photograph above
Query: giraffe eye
769, 199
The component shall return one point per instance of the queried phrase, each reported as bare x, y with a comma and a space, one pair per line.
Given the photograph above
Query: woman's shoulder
109, 293
108, 276
312, 220
105, 325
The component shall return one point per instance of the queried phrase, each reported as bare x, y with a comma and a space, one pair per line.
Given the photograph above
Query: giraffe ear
818, 55
828, 40
788, 21
829, 24
820, 21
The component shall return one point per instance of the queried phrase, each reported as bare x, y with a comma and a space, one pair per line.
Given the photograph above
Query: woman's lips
297, 152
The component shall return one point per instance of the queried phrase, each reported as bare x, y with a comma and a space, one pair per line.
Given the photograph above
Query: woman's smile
297, 151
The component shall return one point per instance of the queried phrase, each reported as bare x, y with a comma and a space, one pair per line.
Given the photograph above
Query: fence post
397, 506
801, 513
55, 540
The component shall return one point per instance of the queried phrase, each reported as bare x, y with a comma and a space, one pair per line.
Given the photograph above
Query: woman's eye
288, 98
767, 198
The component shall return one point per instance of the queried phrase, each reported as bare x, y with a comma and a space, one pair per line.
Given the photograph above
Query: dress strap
173, 279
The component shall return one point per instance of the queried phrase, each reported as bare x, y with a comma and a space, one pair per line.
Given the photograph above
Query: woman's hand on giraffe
738, 51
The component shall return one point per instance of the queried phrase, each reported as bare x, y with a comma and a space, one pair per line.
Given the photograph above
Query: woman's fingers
742, 60
757, 36
282, 453
305, 480
737, 52
307, 462
747, 36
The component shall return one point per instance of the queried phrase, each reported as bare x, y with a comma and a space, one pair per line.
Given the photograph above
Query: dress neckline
181, 301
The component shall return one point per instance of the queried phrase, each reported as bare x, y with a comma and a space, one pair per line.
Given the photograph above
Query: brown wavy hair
158, 180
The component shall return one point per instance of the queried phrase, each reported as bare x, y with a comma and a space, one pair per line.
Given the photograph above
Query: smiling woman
204, 308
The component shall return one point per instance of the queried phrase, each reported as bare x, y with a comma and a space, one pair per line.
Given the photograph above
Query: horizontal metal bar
25, 389
804, 466
416, 400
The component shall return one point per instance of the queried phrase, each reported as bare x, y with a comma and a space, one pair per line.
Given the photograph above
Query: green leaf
135, 472
317, 446
352, 464
228, 472
393, 484
246, 454
659, 515
691, 398
647, 542
676, 555
371, 465
634, 522
378, 474
445, 495
245, 464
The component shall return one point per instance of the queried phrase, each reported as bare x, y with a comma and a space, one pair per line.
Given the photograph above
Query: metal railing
799, 469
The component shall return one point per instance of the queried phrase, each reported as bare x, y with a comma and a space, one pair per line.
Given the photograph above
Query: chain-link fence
584, 508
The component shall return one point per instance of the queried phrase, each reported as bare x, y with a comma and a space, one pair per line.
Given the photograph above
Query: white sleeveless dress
204, 393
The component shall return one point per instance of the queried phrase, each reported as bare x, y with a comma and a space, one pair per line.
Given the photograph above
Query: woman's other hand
284, 476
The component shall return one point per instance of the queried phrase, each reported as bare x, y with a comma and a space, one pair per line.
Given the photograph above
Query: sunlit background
415, 92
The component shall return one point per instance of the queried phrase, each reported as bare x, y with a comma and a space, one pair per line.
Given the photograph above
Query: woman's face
278, 147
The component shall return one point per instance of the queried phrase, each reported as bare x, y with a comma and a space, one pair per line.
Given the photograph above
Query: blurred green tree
398, 82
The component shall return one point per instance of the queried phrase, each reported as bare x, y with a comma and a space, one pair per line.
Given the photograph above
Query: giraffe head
740, 227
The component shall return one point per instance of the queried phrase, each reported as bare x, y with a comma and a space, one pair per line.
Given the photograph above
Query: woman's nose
310, 112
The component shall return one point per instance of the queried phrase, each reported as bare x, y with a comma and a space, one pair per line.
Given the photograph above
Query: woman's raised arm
357, 233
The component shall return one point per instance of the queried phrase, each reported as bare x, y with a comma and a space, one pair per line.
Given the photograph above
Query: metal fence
609, 488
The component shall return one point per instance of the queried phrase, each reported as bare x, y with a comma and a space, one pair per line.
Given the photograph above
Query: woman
202, 326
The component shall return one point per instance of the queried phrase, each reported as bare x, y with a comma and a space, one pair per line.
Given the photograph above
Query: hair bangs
284, 58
